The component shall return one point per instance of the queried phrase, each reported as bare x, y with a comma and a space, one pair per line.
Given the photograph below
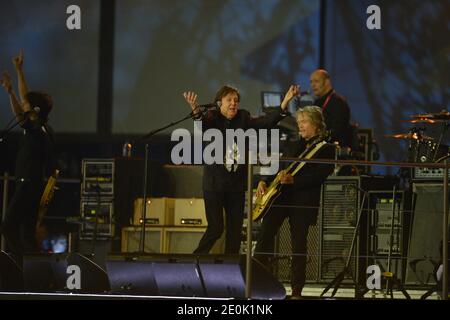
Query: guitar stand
392, 280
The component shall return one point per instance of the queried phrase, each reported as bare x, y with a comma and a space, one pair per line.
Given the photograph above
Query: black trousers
19, 224
299, 220
215, 203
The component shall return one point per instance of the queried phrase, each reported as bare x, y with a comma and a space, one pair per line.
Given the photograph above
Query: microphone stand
147, 137
8, 130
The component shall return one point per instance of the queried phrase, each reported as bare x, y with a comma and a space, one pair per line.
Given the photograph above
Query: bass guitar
265, 201
47, 196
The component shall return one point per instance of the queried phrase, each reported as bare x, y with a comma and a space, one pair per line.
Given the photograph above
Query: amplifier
119, 180
341, 203
97, 177
190, 212
382, 212
159, 211
96, 215
429, 174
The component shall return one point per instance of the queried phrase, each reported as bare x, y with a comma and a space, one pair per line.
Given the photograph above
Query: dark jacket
337, 118
216, 177
305, 192
36, 155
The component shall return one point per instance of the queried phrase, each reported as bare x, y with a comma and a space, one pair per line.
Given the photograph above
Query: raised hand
293, 91
18, 60
6, 82
191, 99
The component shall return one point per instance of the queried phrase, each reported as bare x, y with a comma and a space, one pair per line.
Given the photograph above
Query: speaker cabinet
177, 275
11, 278
164, 275
283, 246
342, 201
185, 240
214, 276
131, 275
45, 272
224, 276
159, 211
93, 277
154, 241
49, 273
426, 233
190, 212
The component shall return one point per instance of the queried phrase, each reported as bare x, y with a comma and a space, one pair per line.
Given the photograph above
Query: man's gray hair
314, 114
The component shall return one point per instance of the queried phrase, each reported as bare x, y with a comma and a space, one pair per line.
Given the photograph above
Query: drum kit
423, 148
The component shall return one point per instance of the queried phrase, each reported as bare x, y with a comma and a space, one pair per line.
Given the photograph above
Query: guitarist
35, 159
302, 193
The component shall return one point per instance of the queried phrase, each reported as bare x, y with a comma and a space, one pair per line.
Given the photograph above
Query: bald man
334, 107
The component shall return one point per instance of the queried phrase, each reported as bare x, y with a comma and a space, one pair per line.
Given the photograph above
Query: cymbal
422, 115
443, 115
425, 120
410, 135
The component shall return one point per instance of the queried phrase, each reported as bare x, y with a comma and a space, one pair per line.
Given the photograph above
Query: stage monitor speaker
11, 278
164, 275
214, 276
177, 275
45, 272
97, 251
426, 234
224, 277
131, 275
93, 278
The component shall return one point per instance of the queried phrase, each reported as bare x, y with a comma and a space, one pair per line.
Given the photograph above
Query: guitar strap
308, 154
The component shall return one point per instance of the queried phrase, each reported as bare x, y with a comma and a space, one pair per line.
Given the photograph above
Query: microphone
202, 109
208, 106
35, 109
